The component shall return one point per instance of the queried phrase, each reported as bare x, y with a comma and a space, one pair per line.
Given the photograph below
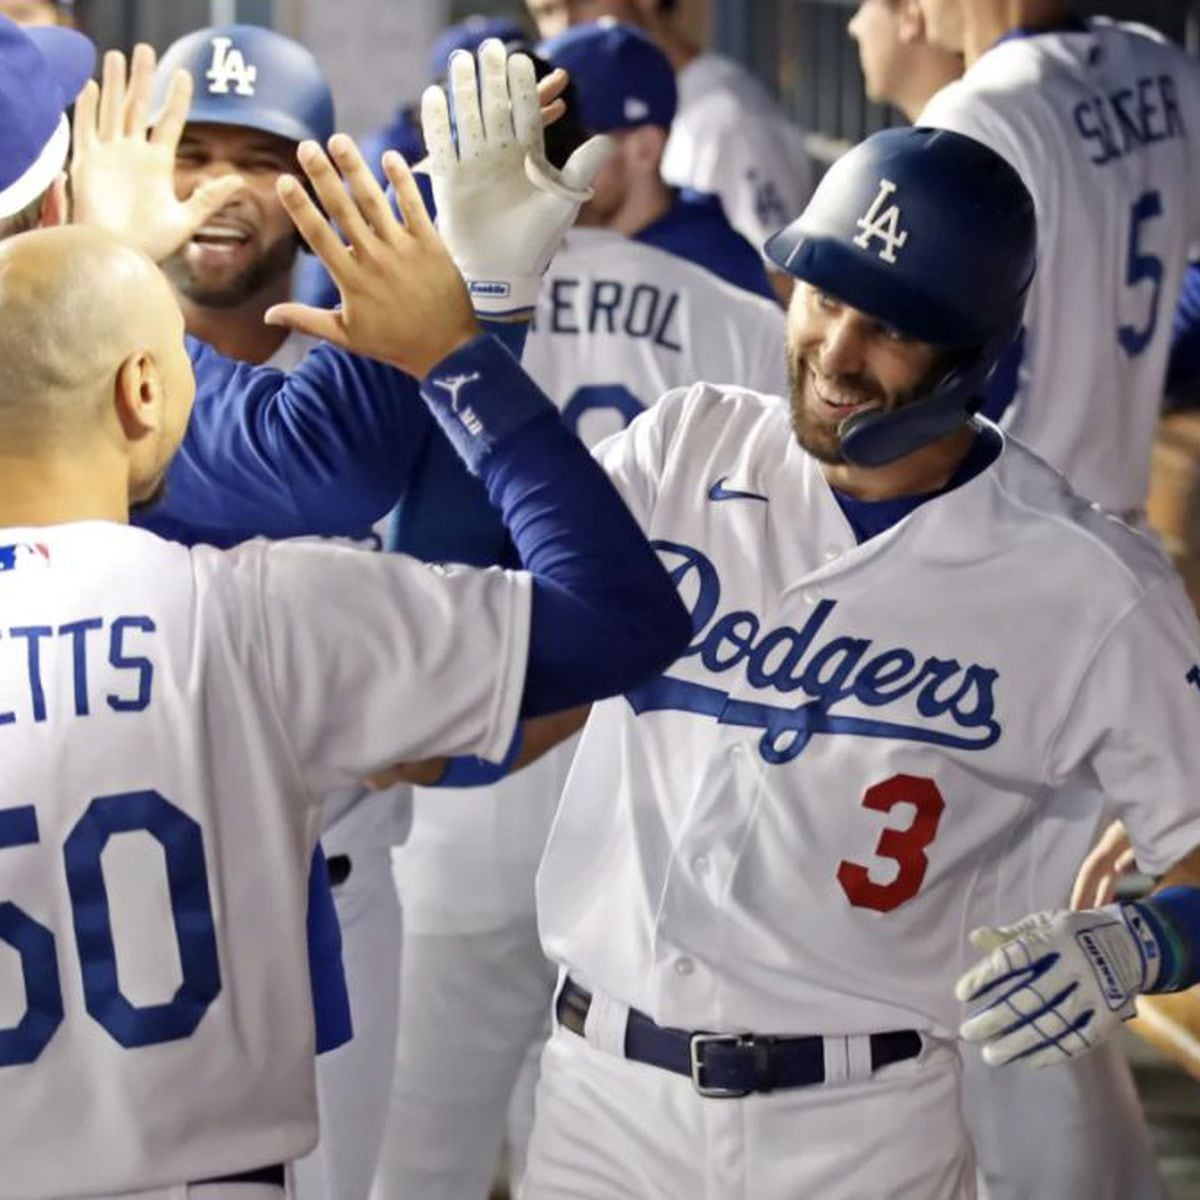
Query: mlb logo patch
24, 554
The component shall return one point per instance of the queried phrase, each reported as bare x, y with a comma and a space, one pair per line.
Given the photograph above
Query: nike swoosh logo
719, 491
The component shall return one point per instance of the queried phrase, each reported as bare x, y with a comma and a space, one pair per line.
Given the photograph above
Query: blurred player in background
900, 66
729, 135
1094, 117
625, 87
617, 324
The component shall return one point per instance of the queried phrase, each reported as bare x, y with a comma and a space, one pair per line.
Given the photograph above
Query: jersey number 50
187, 881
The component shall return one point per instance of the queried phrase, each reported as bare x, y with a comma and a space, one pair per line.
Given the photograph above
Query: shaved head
76, 305
96, 385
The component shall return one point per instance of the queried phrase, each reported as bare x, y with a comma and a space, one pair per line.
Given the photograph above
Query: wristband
480, 395
1167, 929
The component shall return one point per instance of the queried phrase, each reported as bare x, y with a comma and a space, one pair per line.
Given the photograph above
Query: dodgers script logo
229, 66
882, 224
828, 672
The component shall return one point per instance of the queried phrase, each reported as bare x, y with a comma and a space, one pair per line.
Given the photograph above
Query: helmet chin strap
874, 439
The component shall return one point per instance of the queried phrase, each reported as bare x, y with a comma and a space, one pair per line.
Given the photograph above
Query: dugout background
799, 46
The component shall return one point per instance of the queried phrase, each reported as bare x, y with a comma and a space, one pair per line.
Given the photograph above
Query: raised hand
403, 300
123, 171
502, 208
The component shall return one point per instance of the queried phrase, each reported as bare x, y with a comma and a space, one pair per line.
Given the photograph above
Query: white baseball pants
609, 1129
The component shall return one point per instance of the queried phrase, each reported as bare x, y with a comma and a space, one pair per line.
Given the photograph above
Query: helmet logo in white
229, 66
882, 224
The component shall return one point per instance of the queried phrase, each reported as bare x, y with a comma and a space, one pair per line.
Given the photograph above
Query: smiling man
257, 95
766, 861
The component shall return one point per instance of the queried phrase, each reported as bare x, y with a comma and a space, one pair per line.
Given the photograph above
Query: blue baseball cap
621, 78
41, 72
469, 35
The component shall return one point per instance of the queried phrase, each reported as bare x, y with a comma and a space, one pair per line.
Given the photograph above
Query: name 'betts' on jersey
793, 829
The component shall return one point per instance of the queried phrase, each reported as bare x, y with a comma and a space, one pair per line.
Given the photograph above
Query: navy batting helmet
933, 234
249, 76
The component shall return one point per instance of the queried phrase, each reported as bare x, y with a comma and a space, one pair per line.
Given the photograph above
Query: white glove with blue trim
1056, 984
502, 209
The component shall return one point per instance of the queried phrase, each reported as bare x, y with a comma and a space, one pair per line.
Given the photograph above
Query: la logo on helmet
229, 66
882, 224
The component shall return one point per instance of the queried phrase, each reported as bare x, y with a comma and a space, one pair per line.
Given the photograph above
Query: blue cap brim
70, 56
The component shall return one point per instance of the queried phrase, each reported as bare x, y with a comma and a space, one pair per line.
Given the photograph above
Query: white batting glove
1056, 984
502, 209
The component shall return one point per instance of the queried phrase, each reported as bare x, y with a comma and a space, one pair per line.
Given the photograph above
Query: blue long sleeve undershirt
605, 616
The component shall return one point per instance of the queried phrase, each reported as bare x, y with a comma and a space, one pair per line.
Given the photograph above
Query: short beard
823, 444
276, 261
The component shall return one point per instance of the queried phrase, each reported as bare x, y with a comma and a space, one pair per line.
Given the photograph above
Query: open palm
123, 171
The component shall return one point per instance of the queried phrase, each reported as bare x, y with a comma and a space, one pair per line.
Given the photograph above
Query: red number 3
904, 846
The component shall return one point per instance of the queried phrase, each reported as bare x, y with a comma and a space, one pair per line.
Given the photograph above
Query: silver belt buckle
699, 1040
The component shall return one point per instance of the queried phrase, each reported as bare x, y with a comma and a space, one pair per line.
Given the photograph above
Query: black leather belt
273, 1175
729, 1065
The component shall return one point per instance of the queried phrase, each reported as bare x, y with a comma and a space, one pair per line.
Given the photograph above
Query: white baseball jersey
730, 137
169, 718
618, 324
794, 827
1101, 125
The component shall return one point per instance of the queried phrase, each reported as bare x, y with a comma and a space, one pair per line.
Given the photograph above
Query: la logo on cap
882, 224
229, 66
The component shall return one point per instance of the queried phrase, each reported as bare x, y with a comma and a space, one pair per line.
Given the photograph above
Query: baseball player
145, 694
618, 323
248, 460
1117, 216
900, 65
625, 87
760, 877
255, 95
729, 136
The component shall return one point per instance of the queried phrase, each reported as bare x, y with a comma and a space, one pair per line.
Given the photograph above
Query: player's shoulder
1078, 536
717, 414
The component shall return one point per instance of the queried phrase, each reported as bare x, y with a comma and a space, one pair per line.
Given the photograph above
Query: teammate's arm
1055, 984
602, 613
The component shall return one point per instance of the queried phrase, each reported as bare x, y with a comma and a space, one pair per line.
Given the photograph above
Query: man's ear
910, 22
55, 208
138, 396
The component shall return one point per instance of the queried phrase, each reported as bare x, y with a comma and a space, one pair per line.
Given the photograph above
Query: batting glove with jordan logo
1056, 984
502, 209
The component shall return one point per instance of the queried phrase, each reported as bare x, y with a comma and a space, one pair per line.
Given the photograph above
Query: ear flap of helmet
873, 439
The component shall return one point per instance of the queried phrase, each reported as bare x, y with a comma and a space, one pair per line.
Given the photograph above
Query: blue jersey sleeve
605, 616
325, 450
